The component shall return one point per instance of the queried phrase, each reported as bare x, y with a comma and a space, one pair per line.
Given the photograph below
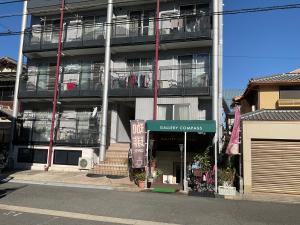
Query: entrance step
117, 170
119, 147
116, 161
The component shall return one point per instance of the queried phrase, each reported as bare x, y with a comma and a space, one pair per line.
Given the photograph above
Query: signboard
202, 126
138, 143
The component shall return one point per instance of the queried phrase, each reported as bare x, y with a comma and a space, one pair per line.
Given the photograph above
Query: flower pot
141, 184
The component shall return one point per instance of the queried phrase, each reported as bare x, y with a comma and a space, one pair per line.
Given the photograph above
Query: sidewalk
266, 197
69, 179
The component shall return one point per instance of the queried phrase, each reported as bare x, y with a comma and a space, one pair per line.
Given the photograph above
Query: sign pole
147, 161
185, 184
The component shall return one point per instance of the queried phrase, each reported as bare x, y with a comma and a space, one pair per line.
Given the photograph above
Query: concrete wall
268, 97
264, 130
86, 152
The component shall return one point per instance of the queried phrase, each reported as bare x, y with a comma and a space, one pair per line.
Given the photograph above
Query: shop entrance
172, 144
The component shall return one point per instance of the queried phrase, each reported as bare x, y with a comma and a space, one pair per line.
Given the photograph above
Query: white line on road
80, 216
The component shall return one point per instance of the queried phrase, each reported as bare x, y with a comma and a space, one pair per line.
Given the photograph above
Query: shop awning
203, 126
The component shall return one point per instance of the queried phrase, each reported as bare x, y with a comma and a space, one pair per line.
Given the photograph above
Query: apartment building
184, 78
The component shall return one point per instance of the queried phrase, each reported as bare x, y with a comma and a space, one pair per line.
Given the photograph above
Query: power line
225, 12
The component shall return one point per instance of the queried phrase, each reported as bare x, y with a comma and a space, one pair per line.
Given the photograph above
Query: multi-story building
184, 78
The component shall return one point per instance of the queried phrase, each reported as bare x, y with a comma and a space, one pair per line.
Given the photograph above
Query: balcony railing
172, 80
78, 131
92, 35
71, 84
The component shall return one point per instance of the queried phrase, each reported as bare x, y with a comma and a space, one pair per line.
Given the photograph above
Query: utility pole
156, 70
215, 84
18, 75
106, 80
53, 120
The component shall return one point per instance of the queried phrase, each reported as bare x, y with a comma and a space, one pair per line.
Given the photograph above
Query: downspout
55, 94
156, 60
106, 80
215, 86
17, 82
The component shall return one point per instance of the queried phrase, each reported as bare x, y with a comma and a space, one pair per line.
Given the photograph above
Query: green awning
204, 126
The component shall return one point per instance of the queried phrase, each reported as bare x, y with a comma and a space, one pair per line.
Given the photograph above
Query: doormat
164, 190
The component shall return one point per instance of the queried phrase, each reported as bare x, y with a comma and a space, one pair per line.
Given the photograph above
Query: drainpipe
55, 94
106, 80
156, 59
17, 82
220, 75
215, 84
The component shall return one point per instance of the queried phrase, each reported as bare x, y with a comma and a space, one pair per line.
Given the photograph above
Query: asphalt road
22, 204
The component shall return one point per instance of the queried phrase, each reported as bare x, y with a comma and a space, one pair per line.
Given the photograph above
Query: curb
72, 185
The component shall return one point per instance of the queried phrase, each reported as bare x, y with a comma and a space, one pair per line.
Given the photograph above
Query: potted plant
226, 180
204, 160
140, 178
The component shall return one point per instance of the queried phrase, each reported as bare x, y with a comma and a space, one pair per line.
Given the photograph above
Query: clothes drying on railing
134, 80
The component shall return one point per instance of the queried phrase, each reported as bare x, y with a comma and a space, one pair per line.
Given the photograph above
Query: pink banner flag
233, 146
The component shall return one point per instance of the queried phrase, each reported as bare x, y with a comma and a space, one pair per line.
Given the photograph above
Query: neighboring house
270, 134
8, 68
185, 77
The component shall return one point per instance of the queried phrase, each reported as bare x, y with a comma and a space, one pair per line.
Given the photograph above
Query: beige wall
264, 130
268, 97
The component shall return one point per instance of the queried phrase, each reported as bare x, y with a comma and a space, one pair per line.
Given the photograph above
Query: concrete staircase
116, 161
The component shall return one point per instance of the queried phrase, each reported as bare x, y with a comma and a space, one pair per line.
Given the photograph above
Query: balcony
83, 84
183, 80
135, 82
80, 35
81, 130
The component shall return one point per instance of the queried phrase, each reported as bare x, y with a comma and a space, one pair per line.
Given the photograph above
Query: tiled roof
285, 77
272, 115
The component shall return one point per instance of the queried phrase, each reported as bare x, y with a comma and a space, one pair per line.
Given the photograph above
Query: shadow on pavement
5, 178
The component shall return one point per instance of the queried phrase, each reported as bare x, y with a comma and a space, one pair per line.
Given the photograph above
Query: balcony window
71, 74
74, 30
51, 31
41, 127
173, 112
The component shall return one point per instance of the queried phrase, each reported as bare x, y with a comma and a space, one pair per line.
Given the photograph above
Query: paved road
22, 204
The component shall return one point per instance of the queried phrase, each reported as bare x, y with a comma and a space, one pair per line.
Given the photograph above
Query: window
173, 112
66, 157
29, 155
289, 93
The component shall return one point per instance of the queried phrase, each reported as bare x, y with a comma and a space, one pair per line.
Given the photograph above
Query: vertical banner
138, 145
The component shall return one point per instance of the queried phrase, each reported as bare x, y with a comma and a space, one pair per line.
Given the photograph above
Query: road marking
80, 216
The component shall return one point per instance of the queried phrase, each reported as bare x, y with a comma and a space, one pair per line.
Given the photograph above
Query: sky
255, 44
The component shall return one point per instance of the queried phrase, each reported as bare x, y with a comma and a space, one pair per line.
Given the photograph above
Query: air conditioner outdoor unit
85, 163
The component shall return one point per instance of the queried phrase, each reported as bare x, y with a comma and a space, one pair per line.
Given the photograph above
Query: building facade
270, 137
184, 78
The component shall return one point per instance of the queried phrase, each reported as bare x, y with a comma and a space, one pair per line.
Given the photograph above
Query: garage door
275, 166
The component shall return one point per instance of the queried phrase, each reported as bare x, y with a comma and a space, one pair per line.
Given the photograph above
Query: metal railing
179, 76
185, 76
131, 78
69, 82
78, 131
43, 37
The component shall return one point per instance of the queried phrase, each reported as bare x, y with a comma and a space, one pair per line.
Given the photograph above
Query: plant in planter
140, 178
226, 180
